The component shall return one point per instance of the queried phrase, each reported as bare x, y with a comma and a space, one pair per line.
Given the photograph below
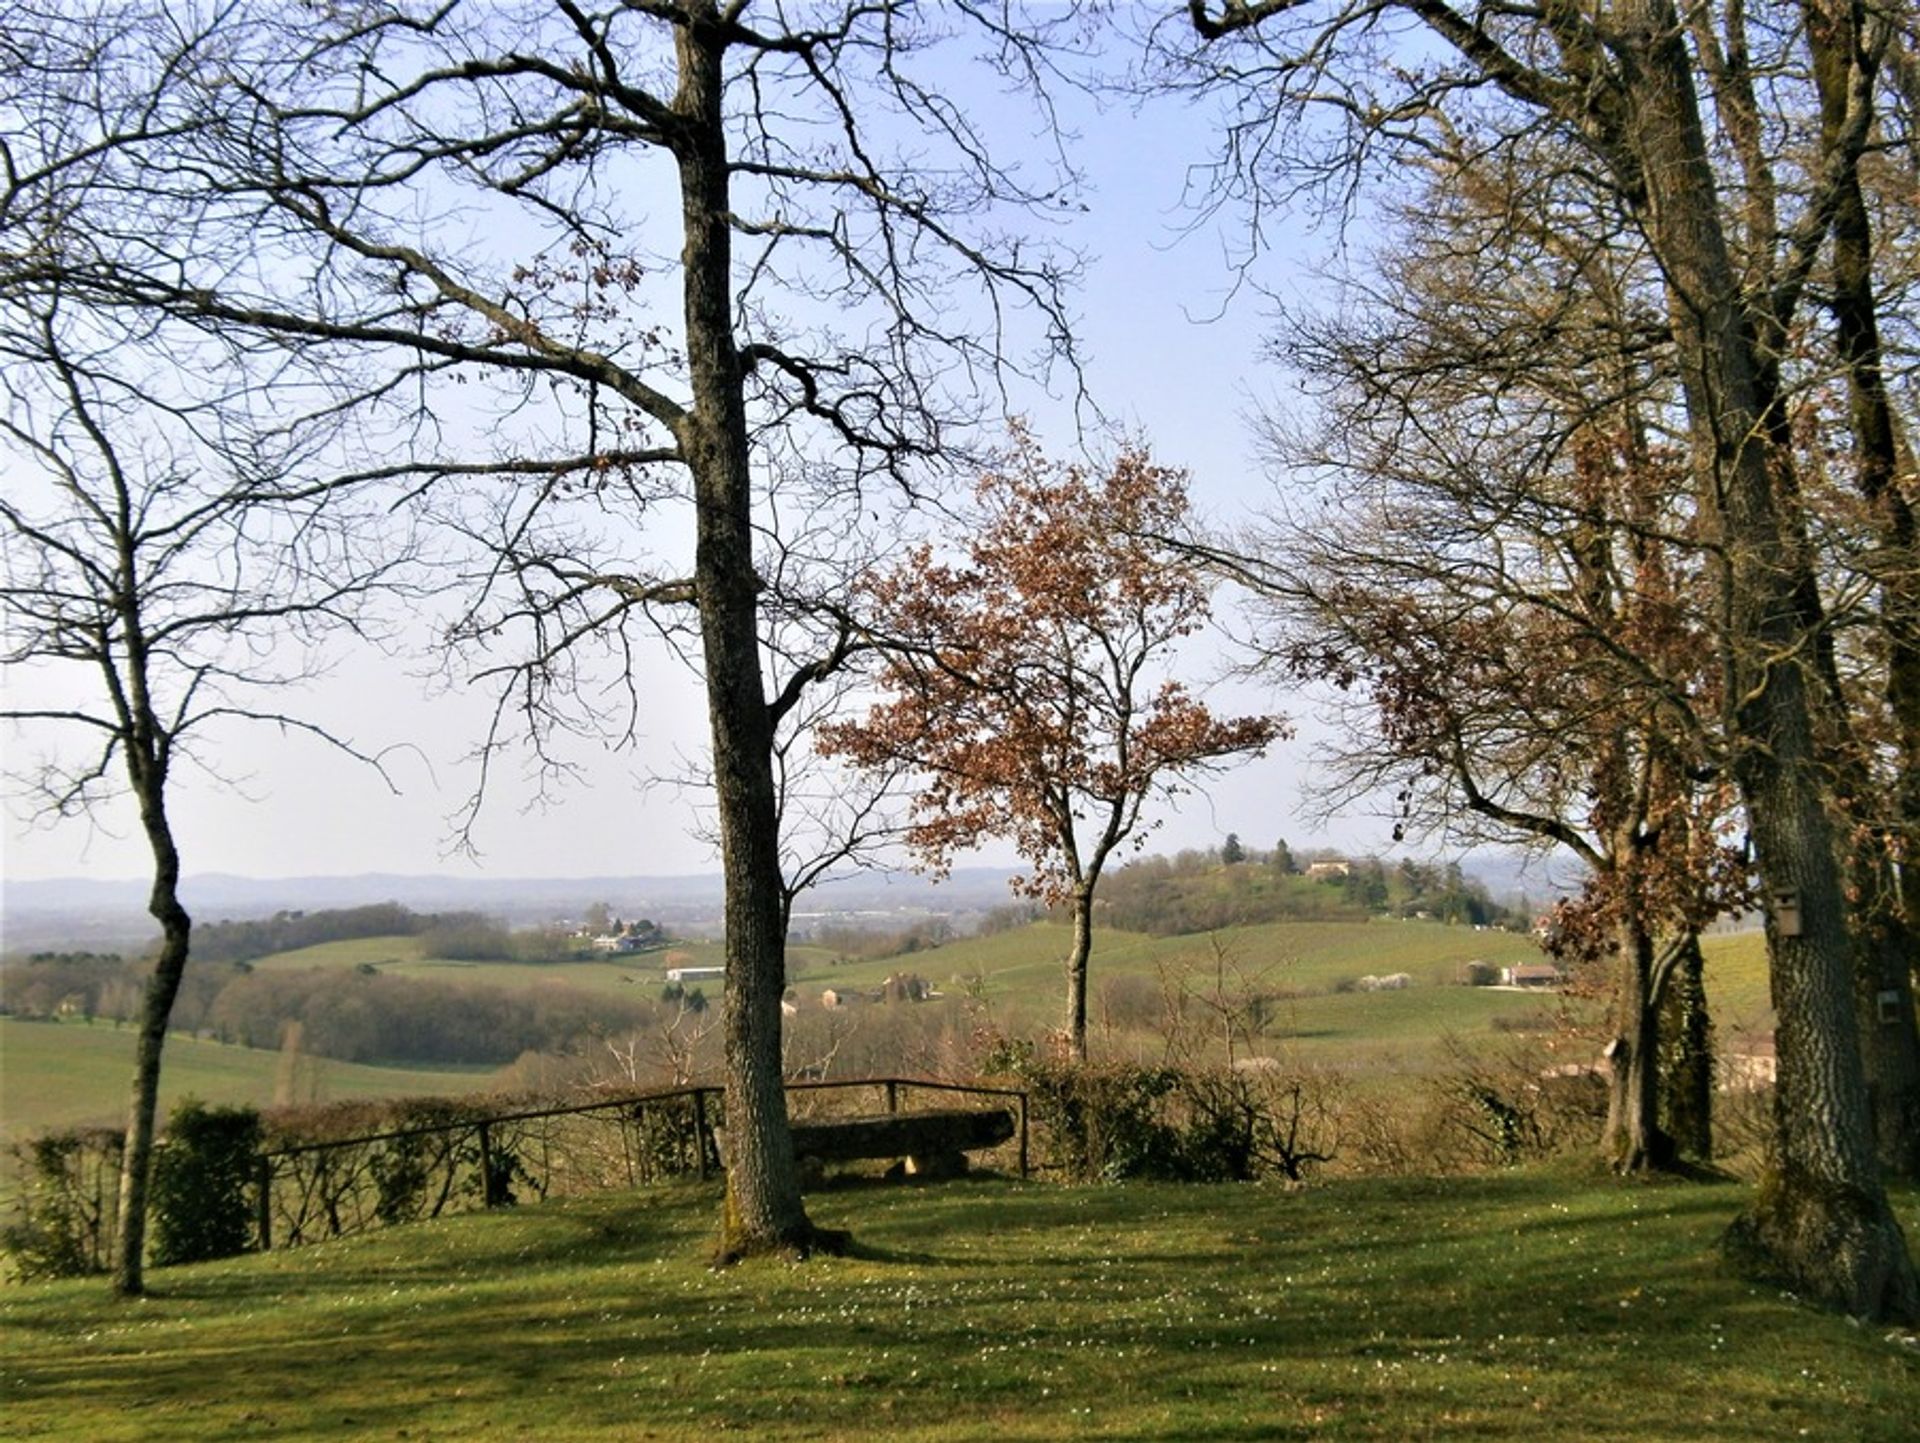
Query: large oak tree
1621, 83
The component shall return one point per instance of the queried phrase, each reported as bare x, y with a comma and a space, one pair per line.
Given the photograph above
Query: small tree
1231, 852
162, 573
1020, 681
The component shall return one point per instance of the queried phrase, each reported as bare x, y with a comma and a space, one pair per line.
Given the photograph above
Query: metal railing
332, 1187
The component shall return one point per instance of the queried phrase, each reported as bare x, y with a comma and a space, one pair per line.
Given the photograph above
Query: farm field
405, 957
1306, 955
1533, 1304
61, 1074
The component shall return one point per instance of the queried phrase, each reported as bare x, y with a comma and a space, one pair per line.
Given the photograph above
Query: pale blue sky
1174, 358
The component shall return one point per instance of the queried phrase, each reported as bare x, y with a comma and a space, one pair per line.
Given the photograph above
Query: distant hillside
109, 914
1199, 892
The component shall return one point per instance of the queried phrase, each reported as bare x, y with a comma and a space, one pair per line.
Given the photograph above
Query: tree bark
1634, 1141
1686, 1074
1078, 954
1886, 939
147, 766
763, 1211
1822, 1218
1890, 1044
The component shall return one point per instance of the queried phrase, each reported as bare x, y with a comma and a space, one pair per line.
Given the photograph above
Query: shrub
203, 1175
1111, 1122
1105, 1122
67, 1212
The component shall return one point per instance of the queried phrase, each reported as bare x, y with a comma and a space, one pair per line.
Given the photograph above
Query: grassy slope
1737, 982
57, 1075
1278, 954
1524, 1305
61, 1074
405, 957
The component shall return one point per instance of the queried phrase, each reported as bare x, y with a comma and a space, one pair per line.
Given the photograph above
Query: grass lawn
1526, 1305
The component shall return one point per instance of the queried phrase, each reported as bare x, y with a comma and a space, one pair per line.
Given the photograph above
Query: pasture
1534, 1304
61, 1074
65, 1074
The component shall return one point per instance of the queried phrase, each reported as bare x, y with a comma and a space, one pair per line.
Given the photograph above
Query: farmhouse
1543, 975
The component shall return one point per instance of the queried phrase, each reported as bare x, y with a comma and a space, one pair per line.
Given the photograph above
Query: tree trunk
1886, 940
156, 1009
1686, 1073
1077, 956
1822, 1219
1634, 1141
1889, 1040
763, 1212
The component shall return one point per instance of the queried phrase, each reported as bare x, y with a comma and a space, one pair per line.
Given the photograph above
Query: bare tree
1618, 83
1500, 580
624, 255
168, 571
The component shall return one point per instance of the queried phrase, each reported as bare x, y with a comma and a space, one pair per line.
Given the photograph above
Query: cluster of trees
250, 938
1615, 548
87, 984
367, 1017
1192, 891
356, 1016
866, 943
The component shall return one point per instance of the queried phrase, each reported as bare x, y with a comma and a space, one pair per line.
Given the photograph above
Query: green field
405, 957
1737, 982
1305, 955
60, 1074
1530, 1305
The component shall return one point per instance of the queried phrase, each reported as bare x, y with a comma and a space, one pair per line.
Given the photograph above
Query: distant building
1543, 975
623, 945
695, 974
1750, 1064
1320, 871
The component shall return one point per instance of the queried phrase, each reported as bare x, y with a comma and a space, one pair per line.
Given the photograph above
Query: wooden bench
934, 1144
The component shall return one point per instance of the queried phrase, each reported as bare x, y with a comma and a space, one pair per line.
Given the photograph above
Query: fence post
263, 1179
893, 1095
700, 1129
486, 1167
1023, 1135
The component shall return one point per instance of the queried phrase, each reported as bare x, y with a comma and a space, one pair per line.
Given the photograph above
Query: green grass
62, 1074
348, 953
1530, 1305
618, 976
1277, 954
1737, 994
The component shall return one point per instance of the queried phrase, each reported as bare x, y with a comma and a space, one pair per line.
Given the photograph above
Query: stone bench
934, 1144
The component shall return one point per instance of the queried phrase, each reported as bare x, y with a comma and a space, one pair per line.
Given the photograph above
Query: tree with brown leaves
1024, 681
